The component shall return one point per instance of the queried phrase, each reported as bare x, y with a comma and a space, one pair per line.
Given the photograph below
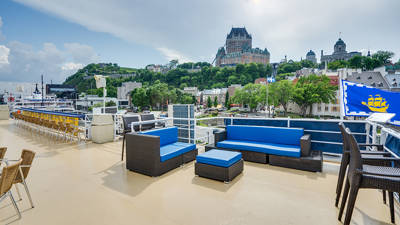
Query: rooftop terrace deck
88, 184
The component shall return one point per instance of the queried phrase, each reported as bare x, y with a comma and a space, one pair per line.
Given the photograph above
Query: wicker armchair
366, 176
6, 181
3, 151
376, 158
27, 157
128, 120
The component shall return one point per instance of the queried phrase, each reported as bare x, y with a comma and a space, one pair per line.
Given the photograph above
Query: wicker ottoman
219, 165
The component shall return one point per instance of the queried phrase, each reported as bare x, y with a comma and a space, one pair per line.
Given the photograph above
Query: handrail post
288, 122
367, 129
374, 134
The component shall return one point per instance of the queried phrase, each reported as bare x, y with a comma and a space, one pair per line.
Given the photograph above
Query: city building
261, 80
191, 90
339, 53
126, 88
157, 68
61, 90
322, 109
370, 78
311, 56
238, 50
232, 89
87, 101
393, 81
212, 93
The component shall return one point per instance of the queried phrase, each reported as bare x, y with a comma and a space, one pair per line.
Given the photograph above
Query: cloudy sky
56, 37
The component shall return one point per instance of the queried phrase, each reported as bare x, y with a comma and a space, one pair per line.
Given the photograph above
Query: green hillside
204, 77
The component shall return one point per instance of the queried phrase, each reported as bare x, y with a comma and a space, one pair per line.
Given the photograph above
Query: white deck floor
88, 184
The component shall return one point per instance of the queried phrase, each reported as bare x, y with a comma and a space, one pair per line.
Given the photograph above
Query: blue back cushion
167, 135
278, 135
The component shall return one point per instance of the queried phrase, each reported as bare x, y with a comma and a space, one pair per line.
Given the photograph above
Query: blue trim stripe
74, 115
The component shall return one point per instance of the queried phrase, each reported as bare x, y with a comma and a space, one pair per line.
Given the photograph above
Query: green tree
215, 101
159, 94
252, 95
289, 67
140, 97
356, 62
110, 103
307, 64
283, 76
383, 57
282, 93
186, 99
338, 64
209, 103
313, 89
227, 100
369, 63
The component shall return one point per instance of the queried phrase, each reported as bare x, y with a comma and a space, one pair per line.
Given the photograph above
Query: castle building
239, 50
339, 53
311, 56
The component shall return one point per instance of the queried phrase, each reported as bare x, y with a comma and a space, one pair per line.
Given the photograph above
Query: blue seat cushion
219, 158
277, 135
268, 148
167, 135
175, 149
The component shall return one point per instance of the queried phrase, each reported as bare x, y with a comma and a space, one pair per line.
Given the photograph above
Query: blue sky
57, 37
34, 27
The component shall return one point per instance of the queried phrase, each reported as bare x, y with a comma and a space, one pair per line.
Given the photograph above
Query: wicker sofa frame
309, 160
143, 155
225, 174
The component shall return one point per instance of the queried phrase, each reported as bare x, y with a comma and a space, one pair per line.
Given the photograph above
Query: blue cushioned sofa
287, 147
156, 152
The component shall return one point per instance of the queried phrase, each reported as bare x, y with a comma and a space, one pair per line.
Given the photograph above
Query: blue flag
362, 100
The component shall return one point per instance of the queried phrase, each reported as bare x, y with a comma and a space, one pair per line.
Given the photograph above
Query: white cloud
27, 64
21, 62
81, 53
171, 54
70, 66
4, 52
198, 28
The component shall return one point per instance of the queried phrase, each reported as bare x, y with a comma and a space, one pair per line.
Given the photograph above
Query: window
326, 108
319, 108
334, 109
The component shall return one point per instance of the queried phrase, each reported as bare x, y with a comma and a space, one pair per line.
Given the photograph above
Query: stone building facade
311, 56
339, 53
239, 50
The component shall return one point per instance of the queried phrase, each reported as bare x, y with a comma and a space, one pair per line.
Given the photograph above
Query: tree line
307, 91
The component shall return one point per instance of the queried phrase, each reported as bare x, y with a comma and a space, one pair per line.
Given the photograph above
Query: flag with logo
362, 100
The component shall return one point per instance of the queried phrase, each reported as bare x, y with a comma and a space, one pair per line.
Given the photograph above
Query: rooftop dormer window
358, 78
370, 77
373, 84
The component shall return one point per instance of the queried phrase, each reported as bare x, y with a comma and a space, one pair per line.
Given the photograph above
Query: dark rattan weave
366, 176
143, 155
225, 174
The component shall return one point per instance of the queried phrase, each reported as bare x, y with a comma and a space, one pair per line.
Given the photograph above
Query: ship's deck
88, 184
